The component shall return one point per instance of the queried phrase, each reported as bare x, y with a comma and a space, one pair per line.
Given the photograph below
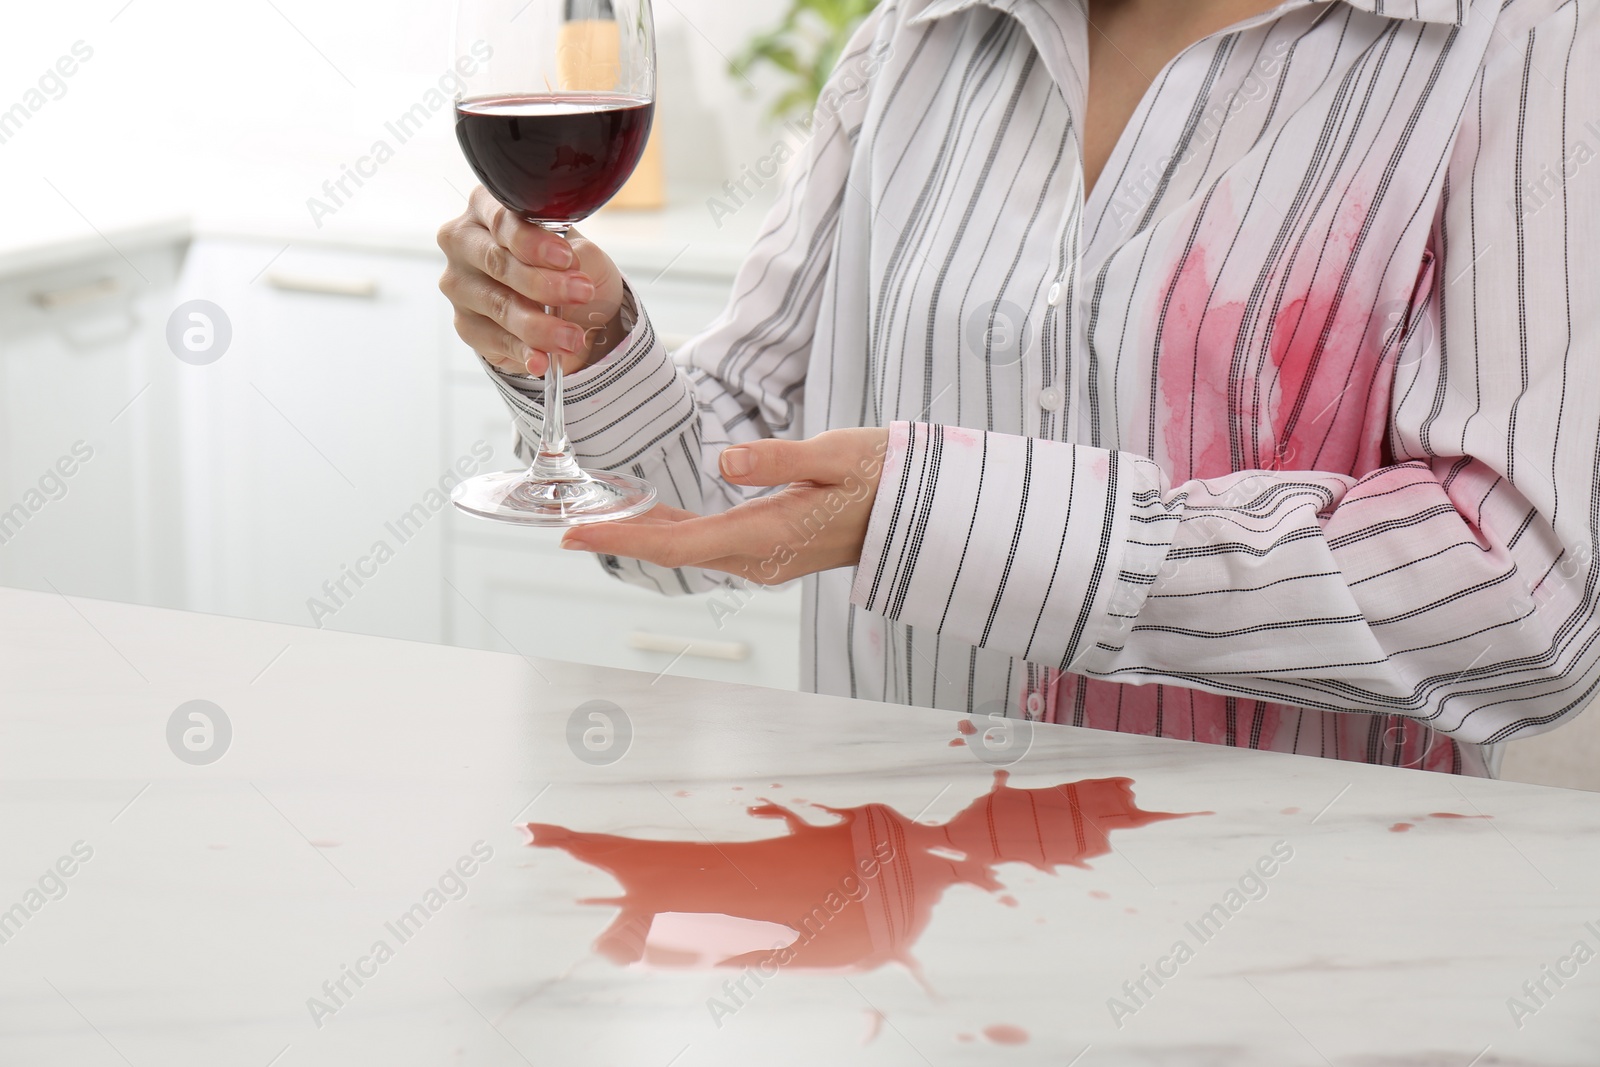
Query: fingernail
572, 339
737, 462
580, 290
559, 255
575, 545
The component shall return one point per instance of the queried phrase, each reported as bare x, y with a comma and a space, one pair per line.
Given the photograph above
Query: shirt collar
1451, 12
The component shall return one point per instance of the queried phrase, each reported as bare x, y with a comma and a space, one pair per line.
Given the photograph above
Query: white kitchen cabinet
313, 434
538, 600
318, 451
88, 506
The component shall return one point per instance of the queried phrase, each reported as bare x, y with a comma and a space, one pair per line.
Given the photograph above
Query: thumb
828, 458
593, 261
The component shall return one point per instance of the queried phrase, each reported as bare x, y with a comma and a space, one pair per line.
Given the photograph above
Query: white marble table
208, 903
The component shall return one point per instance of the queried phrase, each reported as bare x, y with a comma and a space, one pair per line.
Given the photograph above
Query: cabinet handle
688, 646
53, 299
364, 288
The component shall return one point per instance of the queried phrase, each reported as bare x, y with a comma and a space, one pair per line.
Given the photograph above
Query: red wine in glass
557, 157
560, 105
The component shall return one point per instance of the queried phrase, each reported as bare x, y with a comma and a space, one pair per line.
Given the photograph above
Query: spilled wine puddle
851, 895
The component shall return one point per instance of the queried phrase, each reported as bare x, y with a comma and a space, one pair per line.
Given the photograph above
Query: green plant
805, 46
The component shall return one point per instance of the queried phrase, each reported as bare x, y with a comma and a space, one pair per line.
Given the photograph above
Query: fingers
662, 513
829, 458
506, 270
507, 352
675, 542
471, 247
502, 351
524, 319
530, 243
548, 287
541, 280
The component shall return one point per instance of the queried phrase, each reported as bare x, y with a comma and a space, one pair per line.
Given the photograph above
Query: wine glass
555, 123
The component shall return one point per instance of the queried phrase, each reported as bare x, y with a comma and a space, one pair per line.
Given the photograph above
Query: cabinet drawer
91, 301
541, 601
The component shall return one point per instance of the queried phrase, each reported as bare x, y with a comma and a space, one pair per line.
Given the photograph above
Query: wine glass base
515, 497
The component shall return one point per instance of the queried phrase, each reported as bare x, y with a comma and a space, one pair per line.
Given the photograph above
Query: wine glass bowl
585, 144
560, 118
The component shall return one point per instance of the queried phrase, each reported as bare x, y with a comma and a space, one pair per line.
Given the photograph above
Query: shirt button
1054, 296
1035, 704
1050, 398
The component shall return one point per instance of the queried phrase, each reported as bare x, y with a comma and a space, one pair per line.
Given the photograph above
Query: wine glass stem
555, 461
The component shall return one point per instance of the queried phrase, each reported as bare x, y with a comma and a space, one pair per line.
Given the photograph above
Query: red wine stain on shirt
1099, 894
1289, 370
1401, 827
963, 1037
1006, 1034
957, 742
966, 727
853, 894
1008, 900
1290, 378
1290, 811
681, 793
1194, 368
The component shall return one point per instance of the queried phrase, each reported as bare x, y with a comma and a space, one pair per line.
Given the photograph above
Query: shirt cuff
1007, 542
617, 409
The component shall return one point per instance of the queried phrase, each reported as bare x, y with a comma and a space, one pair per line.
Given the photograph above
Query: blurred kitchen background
281, 456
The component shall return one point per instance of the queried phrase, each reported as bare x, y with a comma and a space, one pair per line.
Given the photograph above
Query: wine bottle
589, 60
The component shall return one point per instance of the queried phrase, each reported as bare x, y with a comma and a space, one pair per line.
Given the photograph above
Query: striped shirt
1278, 438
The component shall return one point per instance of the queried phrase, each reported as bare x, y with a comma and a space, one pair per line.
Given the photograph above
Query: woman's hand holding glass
502, 271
